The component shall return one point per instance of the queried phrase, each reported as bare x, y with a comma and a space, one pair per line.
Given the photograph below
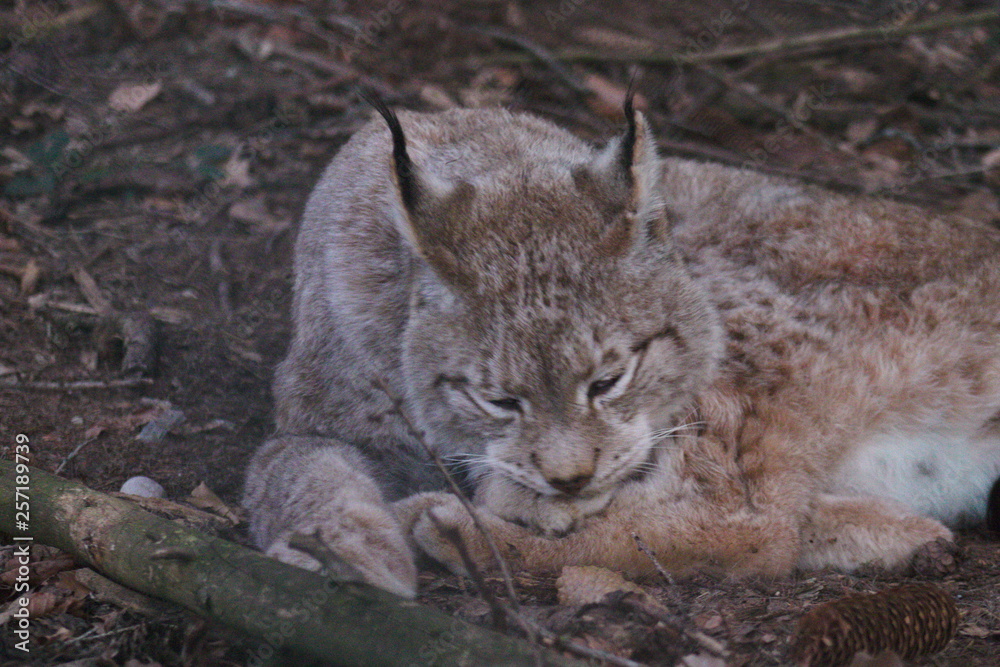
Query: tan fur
827, 365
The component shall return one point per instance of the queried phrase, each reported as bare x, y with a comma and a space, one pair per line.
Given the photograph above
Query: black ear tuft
401, 159
993, 508
627, 155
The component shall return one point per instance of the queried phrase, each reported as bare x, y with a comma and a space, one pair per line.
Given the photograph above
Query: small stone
143, 486
157, 430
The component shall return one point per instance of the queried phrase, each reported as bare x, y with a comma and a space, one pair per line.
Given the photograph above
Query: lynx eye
511, 404
602, 386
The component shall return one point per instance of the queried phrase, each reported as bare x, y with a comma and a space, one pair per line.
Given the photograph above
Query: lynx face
561, 403
553, 331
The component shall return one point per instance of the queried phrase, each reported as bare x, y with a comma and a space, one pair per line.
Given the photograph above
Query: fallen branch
76, 385
286, 607
809, 42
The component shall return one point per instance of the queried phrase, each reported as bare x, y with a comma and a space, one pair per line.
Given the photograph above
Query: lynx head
552, 328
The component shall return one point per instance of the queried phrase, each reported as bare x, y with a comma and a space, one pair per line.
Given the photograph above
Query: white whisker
674, 431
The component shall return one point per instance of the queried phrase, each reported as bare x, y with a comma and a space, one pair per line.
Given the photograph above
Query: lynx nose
571, 485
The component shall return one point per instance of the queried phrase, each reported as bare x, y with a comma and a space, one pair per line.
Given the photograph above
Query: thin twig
418, 435
500, 610
691, 149
117, 631
498, 614
651, 555
72, 455
78, 385
67, 306
809, 42
586, 651
657, 610
542, 54
746, 91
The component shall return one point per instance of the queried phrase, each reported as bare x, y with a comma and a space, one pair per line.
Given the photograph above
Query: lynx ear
625, 176
423, 205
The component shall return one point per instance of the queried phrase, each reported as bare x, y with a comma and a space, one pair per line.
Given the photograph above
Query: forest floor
155, 156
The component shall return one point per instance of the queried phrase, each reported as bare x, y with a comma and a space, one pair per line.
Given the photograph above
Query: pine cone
913, 620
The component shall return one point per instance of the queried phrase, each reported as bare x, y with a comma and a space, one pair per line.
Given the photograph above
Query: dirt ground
155, 156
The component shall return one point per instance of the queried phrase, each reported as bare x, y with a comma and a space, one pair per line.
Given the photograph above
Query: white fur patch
945, 476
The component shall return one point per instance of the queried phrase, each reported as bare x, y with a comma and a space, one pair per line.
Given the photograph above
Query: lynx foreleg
684, 537
317, 486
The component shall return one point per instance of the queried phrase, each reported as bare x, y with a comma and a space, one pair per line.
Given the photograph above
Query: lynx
751, 374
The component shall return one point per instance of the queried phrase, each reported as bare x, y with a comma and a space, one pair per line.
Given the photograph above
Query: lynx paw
438, 521
846, 533
550, 516
365, 540
936, 559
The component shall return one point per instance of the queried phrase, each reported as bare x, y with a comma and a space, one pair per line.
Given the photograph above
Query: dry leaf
170, 315
88, 359
244, 350
130, 98
42, 603
702, 660
18, 162
939, 56
204, 498
860, 131
613, 40
859, 82
157, 429
991, 159
254, 211
67, 581
41, 569
9, 245
59, 636
29, 278
709, 621
211, 425
588, 585
95, 297
977, 631
236, 172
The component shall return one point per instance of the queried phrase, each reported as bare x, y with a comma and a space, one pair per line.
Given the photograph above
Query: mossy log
287, 608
